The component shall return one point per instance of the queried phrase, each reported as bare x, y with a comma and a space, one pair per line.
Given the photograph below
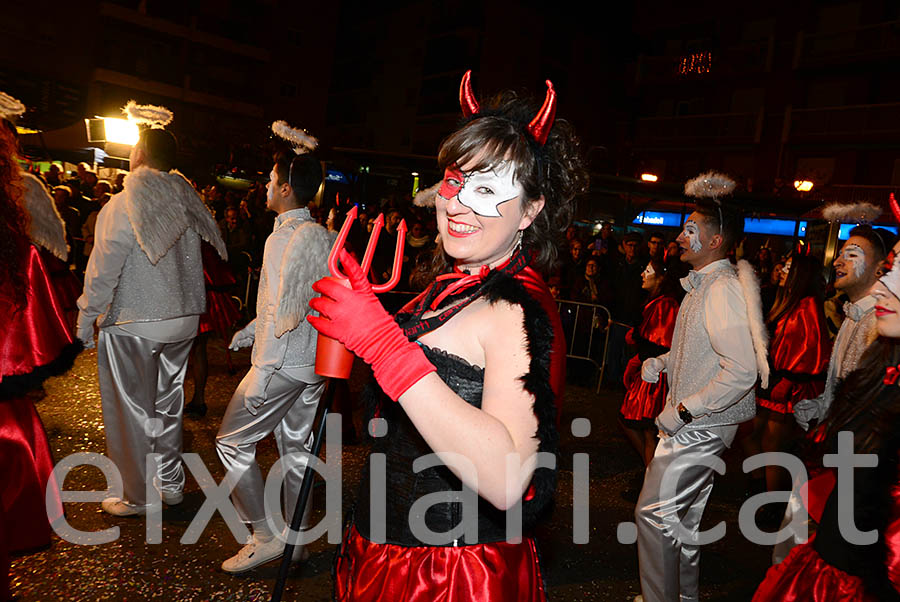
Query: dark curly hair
13, 223
554, 170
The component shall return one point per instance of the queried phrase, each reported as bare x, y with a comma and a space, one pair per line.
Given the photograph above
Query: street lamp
803, 185
121, 131
649, 177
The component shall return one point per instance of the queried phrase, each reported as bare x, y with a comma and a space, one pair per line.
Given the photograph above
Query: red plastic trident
332, 358
370, 250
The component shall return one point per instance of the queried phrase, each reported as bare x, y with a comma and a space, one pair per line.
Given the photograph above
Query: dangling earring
519, 236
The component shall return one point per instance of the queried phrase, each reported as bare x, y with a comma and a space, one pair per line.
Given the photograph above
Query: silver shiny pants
288, 412
669, 566
142, 394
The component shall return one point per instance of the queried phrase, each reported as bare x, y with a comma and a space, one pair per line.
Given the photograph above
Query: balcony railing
860, 43
847, 120
725, 127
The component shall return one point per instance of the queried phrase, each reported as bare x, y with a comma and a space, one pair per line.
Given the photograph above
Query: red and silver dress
644, 401
800, 351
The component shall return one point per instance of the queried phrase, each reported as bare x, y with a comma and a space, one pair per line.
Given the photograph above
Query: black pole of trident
305, 490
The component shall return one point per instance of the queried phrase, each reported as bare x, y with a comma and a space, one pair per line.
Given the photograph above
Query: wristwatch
684, 414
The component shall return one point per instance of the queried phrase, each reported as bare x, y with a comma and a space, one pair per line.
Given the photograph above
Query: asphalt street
590, 564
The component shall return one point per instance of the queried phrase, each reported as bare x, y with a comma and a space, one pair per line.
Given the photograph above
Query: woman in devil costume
220, 317
644, 401
799, 353
476, 364
867, 405
34, 343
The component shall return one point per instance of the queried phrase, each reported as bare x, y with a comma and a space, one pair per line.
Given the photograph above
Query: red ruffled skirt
65, 283
221, 314
26, 468
804, 577
643, 400
785, 394
367, 571
221, 311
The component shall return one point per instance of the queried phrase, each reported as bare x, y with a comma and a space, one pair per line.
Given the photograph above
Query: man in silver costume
857, 267
144, 287
281, 391
712, 369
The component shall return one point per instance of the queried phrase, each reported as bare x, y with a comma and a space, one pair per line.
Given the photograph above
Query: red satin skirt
804, 577
221, 314
643, 400
24, 472
367, 571
785, 394
65, 282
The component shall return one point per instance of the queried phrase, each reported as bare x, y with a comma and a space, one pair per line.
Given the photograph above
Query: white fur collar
161, 206
45, 226
758, 331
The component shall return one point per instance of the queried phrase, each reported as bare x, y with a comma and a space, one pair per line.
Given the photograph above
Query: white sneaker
172, 498
254, 554
119, 507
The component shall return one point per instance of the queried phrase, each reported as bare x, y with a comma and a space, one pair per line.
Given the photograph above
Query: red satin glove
354, 316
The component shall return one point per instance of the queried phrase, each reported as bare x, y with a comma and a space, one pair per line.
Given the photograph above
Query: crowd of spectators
594, 267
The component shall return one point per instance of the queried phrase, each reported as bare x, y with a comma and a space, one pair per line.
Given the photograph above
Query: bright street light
121, 131
803, 185
649, 177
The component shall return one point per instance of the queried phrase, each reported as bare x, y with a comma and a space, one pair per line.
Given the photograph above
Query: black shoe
195, 410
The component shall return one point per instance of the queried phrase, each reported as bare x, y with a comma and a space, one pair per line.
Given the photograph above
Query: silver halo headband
10, 107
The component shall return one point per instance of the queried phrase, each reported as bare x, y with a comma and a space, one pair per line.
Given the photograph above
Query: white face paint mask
691, 233
856, 257
482, 191
648, 271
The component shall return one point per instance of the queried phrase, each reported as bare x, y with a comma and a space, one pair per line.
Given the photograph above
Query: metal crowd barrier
586, 327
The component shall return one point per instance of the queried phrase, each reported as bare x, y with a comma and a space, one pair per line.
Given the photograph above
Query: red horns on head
895, 208
467, 97
539, 128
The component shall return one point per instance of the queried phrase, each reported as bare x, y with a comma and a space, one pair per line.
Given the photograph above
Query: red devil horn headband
539, 128
895, 208
467, 97
543, 121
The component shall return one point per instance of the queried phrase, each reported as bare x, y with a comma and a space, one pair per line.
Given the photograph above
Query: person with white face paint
475, 365
856, 268
835, 566
643, 401
281, 391
718, 348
